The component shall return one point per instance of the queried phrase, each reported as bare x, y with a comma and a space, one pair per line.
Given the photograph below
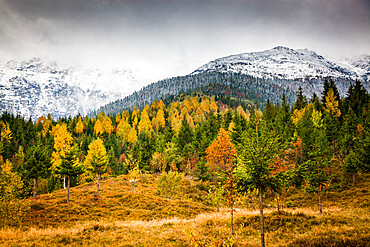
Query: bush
12, 212
169, 184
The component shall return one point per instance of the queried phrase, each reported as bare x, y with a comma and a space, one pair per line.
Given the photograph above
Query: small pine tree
37, 165
70, 167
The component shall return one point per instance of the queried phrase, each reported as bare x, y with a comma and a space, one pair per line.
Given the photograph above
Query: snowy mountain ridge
36, 87
39, 86
285, 63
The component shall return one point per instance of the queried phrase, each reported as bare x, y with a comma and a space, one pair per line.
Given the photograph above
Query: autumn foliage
221, 153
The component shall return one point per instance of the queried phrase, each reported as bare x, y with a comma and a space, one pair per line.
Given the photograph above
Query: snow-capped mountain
37, 87
285, 63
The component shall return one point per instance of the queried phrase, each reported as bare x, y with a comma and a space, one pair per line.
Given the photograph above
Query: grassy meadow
137, 214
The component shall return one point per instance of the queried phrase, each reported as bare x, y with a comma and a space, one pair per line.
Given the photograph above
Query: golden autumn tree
103, 124
107, 125
213, 106
45, 122
221, 152
96, 161
160, 118
62, 143
98, 127
161, 104
125, 132
79, 127
205, 105
5, 132
12, 209
145, 124
332, 104
199, 116
155, 105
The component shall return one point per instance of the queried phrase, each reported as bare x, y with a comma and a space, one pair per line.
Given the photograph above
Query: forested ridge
221, 139
256, 90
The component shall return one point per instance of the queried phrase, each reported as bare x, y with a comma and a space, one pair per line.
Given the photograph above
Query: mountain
257, 76
285, 63
37, 87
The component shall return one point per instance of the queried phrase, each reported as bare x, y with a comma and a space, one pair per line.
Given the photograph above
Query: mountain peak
280, 48
285, 63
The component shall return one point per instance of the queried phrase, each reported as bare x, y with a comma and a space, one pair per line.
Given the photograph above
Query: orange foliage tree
221, 152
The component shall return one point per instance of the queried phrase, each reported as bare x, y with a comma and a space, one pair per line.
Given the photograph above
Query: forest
224, 143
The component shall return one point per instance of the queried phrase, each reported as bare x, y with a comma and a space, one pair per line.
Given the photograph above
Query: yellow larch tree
145, 124
45, 122
96, 161
161, 104
332, 104
132, 136
126, 133
107, 125
118, 118
63, 142
297, 115
241, 112
205, 105
98, 127
213, 106
79, 127
160, 118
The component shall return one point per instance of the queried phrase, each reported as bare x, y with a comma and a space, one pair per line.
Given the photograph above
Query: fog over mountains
37, 87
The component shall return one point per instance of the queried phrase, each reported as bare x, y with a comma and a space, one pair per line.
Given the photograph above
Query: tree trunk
64, 182
354, 179
232, 218
320, 202
97, 192
261, 217
68, 184
35, 188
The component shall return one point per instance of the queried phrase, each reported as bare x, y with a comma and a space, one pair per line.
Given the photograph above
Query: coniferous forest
196, 169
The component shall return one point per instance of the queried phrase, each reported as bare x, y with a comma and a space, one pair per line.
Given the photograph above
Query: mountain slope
37, 87
258, 75
285, 63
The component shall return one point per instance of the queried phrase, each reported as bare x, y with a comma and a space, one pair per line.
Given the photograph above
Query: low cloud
167, 38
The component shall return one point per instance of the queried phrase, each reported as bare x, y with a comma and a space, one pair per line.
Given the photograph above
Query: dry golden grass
185, 220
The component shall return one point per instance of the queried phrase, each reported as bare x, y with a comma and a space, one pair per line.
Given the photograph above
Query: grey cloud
174, 37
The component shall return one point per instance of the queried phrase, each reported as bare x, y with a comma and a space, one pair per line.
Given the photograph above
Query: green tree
70, 167
301, 101
185, 136
96, 160
258, 149
37, 165
352, 165
317, 176
284, 124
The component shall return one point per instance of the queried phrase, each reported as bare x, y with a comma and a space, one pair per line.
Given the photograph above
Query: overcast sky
174, 37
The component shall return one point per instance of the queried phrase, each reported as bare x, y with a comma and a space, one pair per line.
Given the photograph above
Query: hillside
124, 216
